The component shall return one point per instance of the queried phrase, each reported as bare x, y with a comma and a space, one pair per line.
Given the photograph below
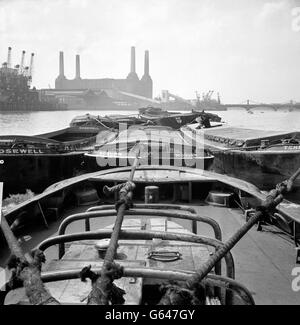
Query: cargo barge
262, 157
158, 145
35, 162
159, 242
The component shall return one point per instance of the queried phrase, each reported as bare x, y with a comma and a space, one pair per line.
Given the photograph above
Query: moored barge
258, 156
160, 145
161, 241
158, 116
35, 162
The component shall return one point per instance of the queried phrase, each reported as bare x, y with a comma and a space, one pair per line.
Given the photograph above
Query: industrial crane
21, 67
207, 97
30, 71
9, 58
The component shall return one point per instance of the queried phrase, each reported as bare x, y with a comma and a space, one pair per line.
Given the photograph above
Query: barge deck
263, 259
264, 158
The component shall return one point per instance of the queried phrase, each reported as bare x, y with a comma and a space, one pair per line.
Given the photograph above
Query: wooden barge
168, 240
261, 157
35, 162
161, 146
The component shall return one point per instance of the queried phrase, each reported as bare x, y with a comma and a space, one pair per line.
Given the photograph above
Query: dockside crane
9, 58
209, 94
30, 71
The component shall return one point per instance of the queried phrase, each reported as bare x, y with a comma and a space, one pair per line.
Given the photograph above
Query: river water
33, 123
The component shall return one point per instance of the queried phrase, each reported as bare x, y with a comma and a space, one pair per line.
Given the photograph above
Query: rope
95, 118
103, 290
273, 199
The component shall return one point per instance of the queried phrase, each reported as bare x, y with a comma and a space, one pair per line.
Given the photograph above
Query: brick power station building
105, 93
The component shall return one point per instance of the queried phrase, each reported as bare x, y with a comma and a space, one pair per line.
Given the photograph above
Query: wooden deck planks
83, 253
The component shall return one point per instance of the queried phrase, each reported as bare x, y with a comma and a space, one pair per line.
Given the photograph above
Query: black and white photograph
150, 155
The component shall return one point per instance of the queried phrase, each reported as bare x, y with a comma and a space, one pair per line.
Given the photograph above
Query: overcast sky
243, 49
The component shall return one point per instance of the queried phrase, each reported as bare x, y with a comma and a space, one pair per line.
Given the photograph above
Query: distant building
132, 84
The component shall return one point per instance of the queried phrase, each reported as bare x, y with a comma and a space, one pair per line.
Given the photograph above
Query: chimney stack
61, 64
77, 66
132, 75
146, 87
132, 70
146, 68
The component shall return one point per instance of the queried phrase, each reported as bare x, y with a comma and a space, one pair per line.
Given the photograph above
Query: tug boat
35, 162
161, 145
166, 236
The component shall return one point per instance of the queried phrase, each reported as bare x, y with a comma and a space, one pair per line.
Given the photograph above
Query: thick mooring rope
103, 291
26, 270
274, 198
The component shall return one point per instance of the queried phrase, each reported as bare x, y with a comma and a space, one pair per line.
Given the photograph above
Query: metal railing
210, 221
142, 235
133, 272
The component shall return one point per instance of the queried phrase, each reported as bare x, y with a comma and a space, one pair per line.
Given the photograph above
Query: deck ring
164, 256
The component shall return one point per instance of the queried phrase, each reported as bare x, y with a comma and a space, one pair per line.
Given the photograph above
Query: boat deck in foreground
263, 260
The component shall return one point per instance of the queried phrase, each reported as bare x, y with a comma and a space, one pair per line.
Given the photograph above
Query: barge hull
36, 172
263, 170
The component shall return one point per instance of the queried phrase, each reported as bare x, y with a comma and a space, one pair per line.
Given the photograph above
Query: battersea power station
104, 93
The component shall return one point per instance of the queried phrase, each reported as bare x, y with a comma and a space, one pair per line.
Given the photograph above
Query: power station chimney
132, 70
146, 85
60, 80
61, 64
77, 66
132, 75
9, 58
146, 68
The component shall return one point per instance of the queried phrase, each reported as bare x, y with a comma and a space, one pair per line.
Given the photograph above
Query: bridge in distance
251, 105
